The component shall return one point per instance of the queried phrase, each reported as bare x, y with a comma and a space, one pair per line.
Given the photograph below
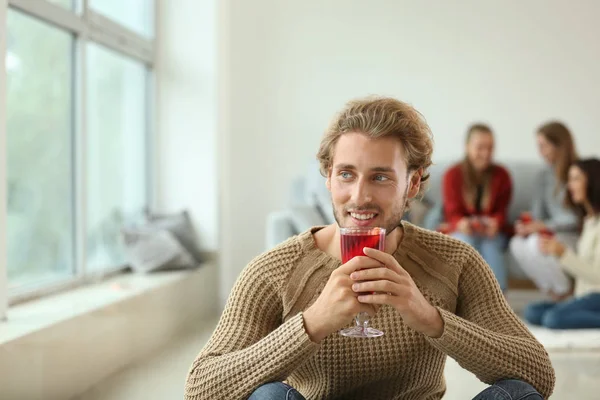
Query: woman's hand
536, 226
551, 246
491, 226
464, 226
526, 229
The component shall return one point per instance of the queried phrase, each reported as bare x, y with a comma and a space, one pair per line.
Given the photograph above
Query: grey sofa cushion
148, 250
180, 225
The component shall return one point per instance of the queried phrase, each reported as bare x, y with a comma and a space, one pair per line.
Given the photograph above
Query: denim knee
519, 390
552, 320
534, 313
275, 391
510, 389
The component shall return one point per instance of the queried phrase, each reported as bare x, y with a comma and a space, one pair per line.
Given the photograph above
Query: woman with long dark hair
583, 310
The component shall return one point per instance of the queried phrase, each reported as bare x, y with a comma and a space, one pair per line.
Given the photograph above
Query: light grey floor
158, 377
161, 376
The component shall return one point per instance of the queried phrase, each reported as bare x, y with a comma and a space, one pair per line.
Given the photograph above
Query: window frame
86, 26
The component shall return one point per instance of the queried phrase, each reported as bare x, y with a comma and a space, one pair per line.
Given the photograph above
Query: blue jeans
492, 251
577, 313
276, 391
509, 389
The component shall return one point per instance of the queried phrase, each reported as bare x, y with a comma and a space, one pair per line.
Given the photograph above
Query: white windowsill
32, 316
58, 347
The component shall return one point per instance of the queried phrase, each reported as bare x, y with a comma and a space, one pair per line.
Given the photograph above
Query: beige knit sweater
261, 338
585, 264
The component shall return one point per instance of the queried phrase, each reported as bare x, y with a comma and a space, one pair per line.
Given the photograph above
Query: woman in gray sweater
550, 215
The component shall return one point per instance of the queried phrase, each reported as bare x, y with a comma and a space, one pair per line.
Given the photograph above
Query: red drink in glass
546, 233
353, 241
526, 217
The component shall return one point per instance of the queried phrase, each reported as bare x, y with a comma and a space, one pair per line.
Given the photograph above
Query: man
433, 296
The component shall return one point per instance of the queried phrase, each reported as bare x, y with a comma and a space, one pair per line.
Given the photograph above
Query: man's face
369, 181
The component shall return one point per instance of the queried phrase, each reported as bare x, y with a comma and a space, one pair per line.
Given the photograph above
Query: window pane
39, 151
137, 15
116, 192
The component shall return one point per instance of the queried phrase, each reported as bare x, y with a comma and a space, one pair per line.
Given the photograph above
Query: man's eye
346, 175
381, 178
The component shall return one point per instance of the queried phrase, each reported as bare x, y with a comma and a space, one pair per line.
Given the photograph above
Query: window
116, 190
75, 128
39, 152
136, 15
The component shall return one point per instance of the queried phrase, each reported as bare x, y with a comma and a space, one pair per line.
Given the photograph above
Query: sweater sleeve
582, 269
452, 197
564, 221
487, 338
555, 214
250, 346
504, 196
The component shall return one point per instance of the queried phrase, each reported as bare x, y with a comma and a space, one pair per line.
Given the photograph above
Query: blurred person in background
476, 196
550, 215
583, 310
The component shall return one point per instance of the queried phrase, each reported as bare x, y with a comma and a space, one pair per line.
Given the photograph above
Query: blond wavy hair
379, 117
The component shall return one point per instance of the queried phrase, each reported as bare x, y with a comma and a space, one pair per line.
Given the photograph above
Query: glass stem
362, 320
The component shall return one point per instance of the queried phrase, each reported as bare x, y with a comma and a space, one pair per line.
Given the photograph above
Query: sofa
309, 204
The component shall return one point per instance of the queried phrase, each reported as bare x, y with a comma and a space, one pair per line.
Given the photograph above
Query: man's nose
361, 193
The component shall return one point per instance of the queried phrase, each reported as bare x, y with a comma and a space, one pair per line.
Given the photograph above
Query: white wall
186, 143
290, 65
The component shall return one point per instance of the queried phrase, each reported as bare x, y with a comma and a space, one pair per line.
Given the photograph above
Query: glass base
360, 332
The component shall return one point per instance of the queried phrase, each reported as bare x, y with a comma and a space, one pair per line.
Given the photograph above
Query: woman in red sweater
476, 195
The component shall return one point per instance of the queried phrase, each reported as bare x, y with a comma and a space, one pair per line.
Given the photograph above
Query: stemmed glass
353, 241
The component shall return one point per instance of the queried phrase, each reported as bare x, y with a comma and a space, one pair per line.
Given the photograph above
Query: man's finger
381, 286
386, 259
378, 298
360, 262
374, 274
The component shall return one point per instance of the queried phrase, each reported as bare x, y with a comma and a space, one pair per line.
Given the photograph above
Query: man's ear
328, 181
415, 183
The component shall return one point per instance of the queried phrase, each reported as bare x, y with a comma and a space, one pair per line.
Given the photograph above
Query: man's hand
464, 226
549, 245
337, 305
394, 286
